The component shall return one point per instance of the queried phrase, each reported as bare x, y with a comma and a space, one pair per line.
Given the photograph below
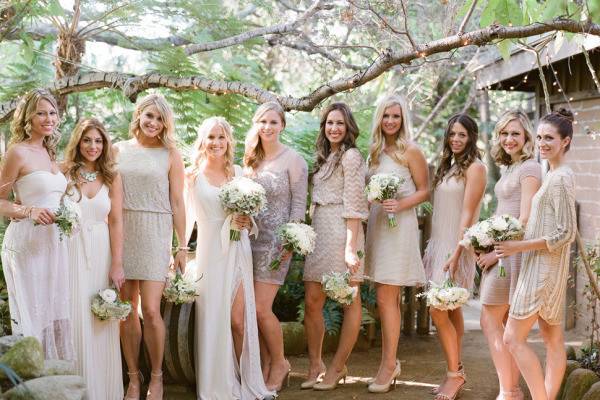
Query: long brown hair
254, 152
462, 160
74, 160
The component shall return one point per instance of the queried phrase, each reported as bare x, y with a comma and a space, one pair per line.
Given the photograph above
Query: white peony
499, 224
108, 295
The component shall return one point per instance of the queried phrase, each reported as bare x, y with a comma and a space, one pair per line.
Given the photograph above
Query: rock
294, 339
578, 383
571, 353
64, 387
593, 393
26, 358
571, 366
6, 342
58, 367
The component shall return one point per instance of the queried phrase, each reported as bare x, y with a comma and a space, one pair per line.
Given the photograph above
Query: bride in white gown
227, 351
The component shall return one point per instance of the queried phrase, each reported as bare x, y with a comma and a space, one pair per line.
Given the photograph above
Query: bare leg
556, 357
238, 314
388, 302
131, 338
448, 335
348, 336
265, 356
515, 337
314, 326
154, 333
270, 329
456, 317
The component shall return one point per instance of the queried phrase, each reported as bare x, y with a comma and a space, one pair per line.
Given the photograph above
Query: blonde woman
283, 173
393, 258
34, 260
95, 255
227, 349
153, 179
521, 178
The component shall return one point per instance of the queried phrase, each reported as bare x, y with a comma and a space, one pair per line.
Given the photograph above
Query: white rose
499, 224
108, 295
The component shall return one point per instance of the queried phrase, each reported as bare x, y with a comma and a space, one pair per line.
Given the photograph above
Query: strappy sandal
139, 386
153, 395
453, 375
436, 389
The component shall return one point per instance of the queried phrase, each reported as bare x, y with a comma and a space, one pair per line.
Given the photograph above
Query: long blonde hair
500, 156
20, 126
167, 136
199, 153
402, 136
254, 152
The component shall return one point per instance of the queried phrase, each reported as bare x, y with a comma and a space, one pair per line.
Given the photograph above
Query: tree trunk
486, 131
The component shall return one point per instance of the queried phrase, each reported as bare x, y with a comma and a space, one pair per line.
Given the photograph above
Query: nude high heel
309, 383
458, 374
325, 386
155, 395
385, 387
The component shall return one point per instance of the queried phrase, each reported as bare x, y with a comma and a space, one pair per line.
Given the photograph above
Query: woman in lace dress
95, 255
459, 185
521, 178
283, 174
340, 207
542, 282
227, 349
153, 179
393, 256
34, 259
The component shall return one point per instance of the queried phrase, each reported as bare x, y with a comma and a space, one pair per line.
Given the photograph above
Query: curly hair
254, 152
499, 155
199, 153
167, 136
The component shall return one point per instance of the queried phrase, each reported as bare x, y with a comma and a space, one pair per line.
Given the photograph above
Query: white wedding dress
98, 354
223, 266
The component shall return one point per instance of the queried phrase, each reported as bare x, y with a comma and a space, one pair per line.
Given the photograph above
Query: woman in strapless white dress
34, 258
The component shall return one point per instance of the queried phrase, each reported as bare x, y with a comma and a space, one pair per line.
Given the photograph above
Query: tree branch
465, 20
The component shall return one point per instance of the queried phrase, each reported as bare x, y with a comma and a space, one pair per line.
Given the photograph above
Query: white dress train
223, 266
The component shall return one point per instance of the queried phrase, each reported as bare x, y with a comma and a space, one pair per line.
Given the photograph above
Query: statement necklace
89, 176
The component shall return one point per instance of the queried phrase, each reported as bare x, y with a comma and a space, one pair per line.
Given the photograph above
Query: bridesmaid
34, 259
459, 185
283, 173
542, 282
227, 349
153, 179
95, 255
393, 258
521, 178
340, 206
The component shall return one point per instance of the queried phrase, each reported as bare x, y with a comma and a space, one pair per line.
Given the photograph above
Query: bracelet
29, 212
186, 248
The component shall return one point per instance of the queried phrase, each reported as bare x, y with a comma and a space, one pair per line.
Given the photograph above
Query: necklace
89, 176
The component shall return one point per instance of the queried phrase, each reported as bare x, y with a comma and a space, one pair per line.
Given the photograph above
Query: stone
26, 358
593, 393
63, 387
294, 339
571, 366
578, 383
571, 353
7, 342
58, 367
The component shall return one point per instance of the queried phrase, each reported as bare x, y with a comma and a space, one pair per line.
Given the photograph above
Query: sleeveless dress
147, 214
544, 273
36, 269
393, 255
445, 235
338, 194
222, 266
96, 342
285, 179
495, 290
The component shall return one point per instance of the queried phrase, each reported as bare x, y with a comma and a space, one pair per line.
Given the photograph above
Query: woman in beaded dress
34, 259
459, 185
340, 206
153, 179
542, 283
521, 178
283, 174
95, 256
393, 256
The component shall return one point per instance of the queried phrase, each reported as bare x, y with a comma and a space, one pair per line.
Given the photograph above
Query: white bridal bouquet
482, 235
180, 288
297, 237
336, 286
106, 305
447, 296
384, 187
242, 196
67, 217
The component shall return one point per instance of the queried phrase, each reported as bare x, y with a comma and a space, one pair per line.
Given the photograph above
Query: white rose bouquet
180, 288
107, 306
447, 296
384, 187
242, 196
499, 228
297, 237
336, 286
67, 217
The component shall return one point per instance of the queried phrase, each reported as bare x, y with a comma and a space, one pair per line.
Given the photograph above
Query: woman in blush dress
459, 185
283, 174
227, 348
542, 282
34, 258
153, 180
340, 207
393, 256
95, 255
521, 178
